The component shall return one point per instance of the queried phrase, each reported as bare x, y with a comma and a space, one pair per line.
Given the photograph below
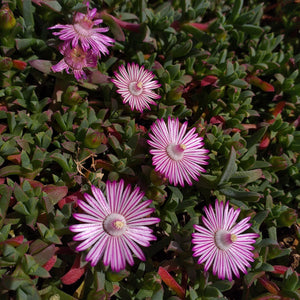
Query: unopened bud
5, 63
175, 93
156, 194
287, 218
7, 19
278, 163
72, 96
157, 178
94, 139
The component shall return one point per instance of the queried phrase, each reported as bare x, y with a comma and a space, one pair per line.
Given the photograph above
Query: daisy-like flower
114, 226
82, 32
177, 155
75, 59
135, 85
222, 244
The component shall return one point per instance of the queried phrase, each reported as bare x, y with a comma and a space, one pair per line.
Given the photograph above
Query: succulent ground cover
149, 149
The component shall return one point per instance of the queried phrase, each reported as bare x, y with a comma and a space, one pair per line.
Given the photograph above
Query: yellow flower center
118, 224
115, 224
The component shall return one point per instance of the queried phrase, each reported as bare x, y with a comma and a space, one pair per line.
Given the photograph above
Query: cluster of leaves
226, 68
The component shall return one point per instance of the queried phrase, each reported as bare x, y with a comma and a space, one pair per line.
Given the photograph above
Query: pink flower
75, 59
82, 32
177, 155
135, 85
221, 243
114, 226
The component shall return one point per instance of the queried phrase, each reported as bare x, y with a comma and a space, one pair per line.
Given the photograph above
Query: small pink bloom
222, 244
114, 226
135, 85
177, 155
75, 59
82, 32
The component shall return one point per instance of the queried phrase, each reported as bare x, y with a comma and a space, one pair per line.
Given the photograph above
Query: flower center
115, 224
75, 58
83, 28
135, 88
175, 151
224, 239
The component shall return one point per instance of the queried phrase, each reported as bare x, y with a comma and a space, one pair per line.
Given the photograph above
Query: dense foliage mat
109, 104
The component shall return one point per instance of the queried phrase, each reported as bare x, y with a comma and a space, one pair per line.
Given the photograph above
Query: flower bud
175, 93
71, 96
278, 163
5, 63
156, 194
94, 139
157, 178
287, 218
7, 19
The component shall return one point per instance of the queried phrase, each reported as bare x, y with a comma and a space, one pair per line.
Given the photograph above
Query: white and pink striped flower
135, 85
222, 244
115, 226
84, 33
177, 155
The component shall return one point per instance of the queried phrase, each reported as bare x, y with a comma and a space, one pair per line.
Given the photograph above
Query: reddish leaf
115, 133
249, 126
69, 199
171, 282
264, 142
15, 158
217, 120
55, 193
35, 183
50, 263
265, 86
208, 80
200, 26
278, 269
269, 285
18, 64
74, 273
16, 241
277, 110
2, 128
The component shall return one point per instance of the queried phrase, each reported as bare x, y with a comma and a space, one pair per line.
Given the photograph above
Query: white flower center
175, 151
115, 224
135, 88
82, 30
224, 239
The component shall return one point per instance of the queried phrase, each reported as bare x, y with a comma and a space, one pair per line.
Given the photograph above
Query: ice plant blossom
222, 243
114, 226
177, 154
135, 85
75, 60
84, 33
